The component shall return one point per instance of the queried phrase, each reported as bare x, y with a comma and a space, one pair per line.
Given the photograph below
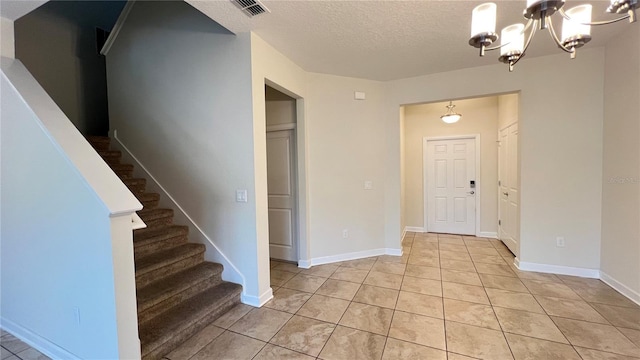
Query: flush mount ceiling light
576, 26
450, 117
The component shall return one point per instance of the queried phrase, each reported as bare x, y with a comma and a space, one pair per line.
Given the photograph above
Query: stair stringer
212, 253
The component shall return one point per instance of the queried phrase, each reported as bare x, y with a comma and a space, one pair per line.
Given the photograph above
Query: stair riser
150, 204
100, 146
180, 337
160, 245
155, 223
112, 160
124, 174
161, 307
137, 188
157, 274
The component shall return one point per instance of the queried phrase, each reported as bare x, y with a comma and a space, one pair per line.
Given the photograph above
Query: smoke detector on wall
251, 7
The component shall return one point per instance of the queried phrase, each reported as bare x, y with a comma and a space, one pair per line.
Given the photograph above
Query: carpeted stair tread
148, 200
177, 292
136, 185
181, 322
159, 291
124, 171
169, 231
154, 214
149, 240
163, 258
99, 142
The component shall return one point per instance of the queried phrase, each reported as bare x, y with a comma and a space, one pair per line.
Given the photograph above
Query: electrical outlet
368, 185
345, 233
560, 241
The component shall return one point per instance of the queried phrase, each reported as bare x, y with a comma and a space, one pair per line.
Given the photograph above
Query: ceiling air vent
251, 7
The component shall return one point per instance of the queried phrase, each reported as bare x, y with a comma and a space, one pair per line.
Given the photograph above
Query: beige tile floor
12, 348
449, 297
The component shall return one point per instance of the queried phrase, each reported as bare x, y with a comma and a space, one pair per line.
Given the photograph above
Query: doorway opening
282, 175
454, 176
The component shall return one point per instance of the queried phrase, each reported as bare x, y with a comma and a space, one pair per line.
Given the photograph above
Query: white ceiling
15, 9
379, 40
384, 40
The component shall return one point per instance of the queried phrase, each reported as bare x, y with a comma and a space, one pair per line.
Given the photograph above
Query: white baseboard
230, 272
557, 269
36, 341
348, 256
620, 287
257, 301
488, 234
414, 229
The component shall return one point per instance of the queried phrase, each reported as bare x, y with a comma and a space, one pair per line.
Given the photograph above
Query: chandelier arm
555, 38
526, 27
595, 23
534, 28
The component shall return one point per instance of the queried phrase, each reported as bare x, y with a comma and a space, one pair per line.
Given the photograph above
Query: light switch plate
241, 195
368, 185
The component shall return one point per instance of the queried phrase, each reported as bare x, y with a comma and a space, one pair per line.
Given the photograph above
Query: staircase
178, 293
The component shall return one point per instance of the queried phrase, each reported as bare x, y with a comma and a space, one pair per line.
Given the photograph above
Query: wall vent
251, 7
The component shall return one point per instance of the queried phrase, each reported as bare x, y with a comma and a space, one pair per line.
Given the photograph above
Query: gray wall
57, 258
621, 167
57, 43
180, 98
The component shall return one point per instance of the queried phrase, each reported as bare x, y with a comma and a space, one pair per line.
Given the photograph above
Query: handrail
117, 27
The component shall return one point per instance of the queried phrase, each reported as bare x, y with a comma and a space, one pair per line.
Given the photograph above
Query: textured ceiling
384, 40
379, 40
15, 9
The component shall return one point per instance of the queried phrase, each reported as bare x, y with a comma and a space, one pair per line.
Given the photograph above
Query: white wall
621, 166
479, 116
346, 148
560, 148
270, 67
403, 172
180, 99
7, 39
280, 108
508, 112
61, 288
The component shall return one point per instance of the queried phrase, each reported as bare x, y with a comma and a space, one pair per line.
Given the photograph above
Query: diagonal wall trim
213, 253
36, 341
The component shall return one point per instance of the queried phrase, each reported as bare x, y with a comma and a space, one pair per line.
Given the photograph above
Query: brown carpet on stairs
178, 293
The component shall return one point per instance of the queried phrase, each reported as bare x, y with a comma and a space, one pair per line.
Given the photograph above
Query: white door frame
425, 204
301, 153
517, 233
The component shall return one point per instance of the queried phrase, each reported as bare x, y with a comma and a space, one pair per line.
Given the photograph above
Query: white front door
508, 210
281, 181
451, 186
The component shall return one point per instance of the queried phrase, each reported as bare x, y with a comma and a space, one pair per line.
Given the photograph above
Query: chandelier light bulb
578, 25
483, 19
512, 39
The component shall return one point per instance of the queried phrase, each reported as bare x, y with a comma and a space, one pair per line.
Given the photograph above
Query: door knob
505, 194
471, 192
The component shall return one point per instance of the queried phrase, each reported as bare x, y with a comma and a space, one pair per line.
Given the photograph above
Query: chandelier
450, 117
576, 27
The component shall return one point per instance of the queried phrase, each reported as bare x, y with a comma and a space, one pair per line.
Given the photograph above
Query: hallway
448, 297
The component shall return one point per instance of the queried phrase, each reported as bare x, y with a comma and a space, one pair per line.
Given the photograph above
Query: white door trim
426, 139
